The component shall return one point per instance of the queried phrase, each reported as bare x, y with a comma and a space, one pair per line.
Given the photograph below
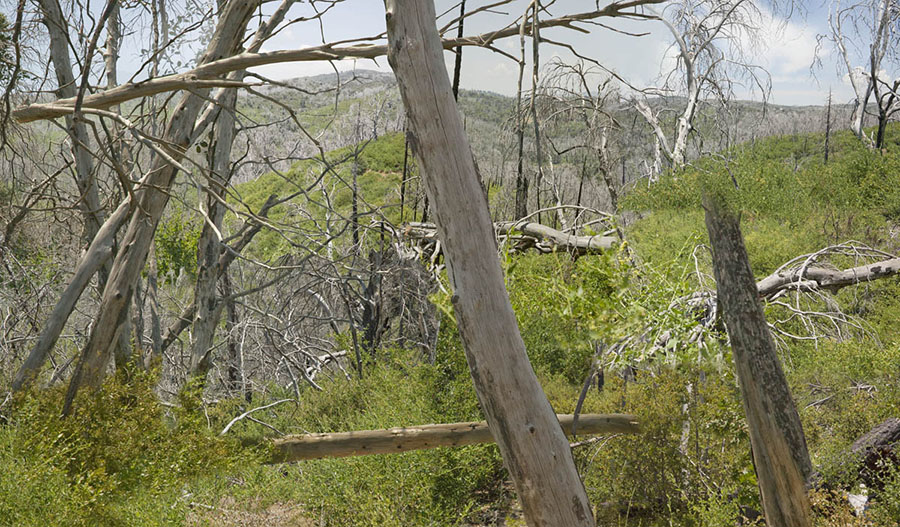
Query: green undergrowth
791, 202
321, 195
121, 459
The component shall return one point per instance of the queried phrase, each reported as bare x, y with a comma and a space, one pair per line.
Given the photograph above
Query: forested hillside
386, 299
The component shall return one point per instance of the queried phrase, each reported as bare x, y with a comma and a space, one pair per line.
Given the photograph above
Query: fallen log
555, 239
526, 235
404, 439
808, 277
872, 456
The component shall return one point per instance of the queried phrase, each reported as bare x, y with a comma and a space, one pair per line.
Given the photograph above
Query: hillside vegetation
149, 464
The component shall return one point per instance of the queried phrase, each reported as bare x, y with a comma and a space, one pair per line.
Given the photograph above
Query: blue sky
788, 50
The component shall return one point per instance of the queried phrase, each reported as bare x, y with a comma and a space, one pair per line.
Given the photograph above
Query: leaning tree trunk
221, 111
776, 434
151, 200
98, 253
520, 417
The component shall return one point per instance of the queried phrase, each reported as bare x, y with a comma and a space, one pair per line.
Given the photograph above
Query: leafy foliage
119, 461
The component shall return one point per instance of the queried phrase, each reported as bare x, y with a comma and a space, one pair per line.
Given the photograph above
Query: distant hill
352, 107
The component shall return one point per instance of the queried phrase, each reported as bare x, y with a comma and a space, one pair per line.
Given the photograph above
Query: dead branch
522, 236
813, 278
404, 439
209, 73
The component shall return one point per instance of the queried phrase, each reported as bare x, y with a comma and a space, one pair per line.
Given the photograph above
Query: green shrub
117, 461
176, 247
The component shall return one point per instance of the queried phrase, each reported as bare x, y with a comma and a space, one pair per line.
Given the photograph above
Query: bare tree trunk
124, 351
776, 434
828, 126
405, 439
221, 111
606, 172
187, 315
535, 79
155, 355
85, 178
403, 179
152, 200
209, 309
521, 181
885, 111
520, 417
237, 380
98, 253
89, 201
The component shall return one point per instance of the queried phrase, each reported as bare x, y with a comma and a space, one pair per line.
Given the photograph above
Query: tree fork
151, 201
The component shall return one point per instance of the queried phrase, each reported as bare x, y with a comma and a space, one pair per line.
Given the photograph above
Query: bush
117, 461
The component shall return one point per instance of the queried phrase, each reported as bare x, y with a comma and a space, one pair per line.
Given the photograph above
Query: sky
787, 52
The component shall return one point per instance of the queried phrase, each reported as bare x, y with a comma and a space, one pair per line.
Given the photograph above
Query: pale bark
535, 70
221, 109
779, 447
225, 258
209, 308
89, 199
817, 278
152, 199
695, 36
662, 142
527, 235
558, 240
97, 254
407, 438
879, 17
531, 442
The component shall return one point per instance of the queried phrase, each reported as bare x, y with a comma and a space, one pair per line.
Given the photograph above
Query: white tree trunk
520, 417
99, 253
209, 308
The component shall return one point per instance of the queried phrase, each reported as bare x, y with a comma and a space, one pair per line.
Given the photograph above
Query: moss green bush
119, 460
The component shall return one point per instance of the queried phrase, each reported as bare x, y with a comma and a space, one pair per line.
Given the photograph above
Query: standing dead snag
776, 434
151, 201
520, 417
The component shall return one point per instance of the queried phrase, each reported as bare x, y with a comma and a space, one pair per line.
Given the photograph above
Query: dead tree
707, 67
866, 34
776, 435
151, 201
526, 429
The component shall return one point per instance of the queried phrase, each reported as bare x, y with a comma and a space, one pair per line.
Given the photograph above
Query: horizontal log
583, 244
815, 278
527, 235
404, 439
